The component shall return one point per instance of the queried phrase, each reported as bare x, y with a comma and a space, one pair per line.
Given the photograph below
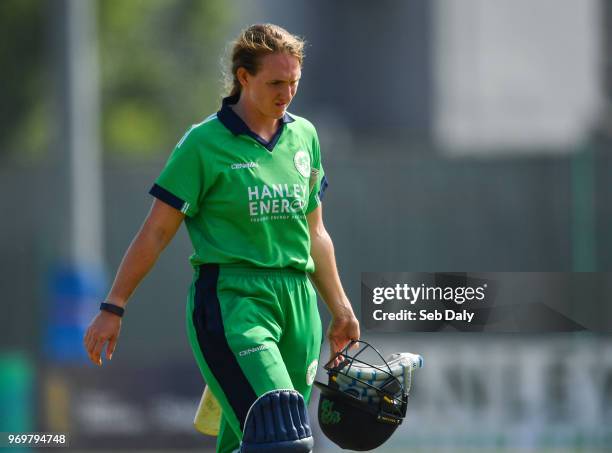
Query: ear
243, 76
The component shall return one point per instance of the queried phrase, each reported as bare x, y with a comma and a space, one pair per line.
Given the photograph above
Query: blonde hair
255, 42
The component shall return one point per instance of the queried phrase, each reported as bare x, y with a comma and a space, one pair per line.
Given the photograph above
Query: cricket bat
208, 416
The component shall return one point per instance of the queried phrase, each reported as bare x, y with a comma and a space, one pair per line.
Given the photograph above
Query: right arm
157, 231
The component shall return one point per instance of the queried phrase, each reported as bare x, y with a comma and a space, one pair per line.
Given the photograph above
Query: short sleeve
318, 181
180, 182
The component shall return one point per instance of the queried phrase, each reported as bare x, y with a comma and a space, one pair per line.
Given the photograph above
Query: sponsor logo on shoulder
241, 165
251, 350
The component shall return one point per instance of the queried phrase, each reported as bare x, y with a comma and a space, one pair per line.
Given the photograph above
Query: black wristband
112, 308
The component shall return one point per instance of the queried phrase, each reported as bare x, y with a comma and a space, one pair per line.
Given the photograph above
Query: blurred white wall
515, 74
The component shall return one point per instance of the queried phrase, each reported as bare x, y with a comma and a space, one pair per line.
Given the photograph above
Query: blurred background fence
457, 136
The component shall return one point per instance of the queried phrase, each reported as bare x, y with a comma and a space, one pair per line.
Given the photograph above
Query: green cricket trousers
252, 330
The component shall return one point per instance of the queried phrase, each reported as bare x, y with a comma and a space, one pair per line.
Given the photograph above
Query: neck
264, 126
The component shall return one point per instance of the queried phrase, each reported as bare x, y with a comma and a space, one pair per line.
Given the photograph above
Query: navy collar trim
236, 126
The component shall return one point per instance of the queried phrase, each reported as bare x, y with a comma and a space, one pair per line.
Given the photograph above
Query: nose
288, 92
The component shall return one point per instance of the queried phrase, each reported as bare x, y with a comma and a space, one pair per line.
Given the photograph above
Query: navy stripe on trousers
210, 332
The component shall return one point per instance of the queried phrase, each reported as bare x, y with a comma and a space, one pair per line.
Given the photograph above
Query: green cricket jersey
245, 199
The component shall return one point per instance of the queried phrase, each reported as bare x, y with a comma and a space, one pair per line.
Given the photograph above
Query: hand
104, 327
341, 331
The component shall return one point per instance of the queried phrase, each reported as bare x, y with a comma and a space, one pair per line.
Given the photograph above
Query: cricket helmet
363, 404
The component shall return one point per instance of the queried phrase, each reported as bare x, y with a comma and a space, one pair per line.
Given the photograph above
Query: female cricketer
248, 182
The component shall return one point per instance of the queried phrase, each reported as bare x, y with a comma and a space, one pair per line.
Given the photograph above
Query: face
271, 90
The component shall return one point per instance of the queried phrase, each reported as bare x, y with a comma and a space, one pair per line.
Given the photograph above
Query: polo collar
236, 126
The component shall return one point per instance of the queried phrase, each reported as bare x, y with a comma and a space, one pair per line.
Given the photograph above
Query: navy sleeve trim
167, 197
323, 188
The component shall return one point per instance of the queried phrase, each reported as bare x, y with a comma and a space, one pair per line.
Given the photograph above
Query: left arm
344, 326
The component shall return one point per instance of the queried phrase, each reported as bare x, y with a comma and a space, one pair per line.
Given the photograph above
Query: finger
338, 360
334, 349
90, 356
333, 360
98, 350
87, 339
110, 348
86, 342
91, 343
90, 350
332, 356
